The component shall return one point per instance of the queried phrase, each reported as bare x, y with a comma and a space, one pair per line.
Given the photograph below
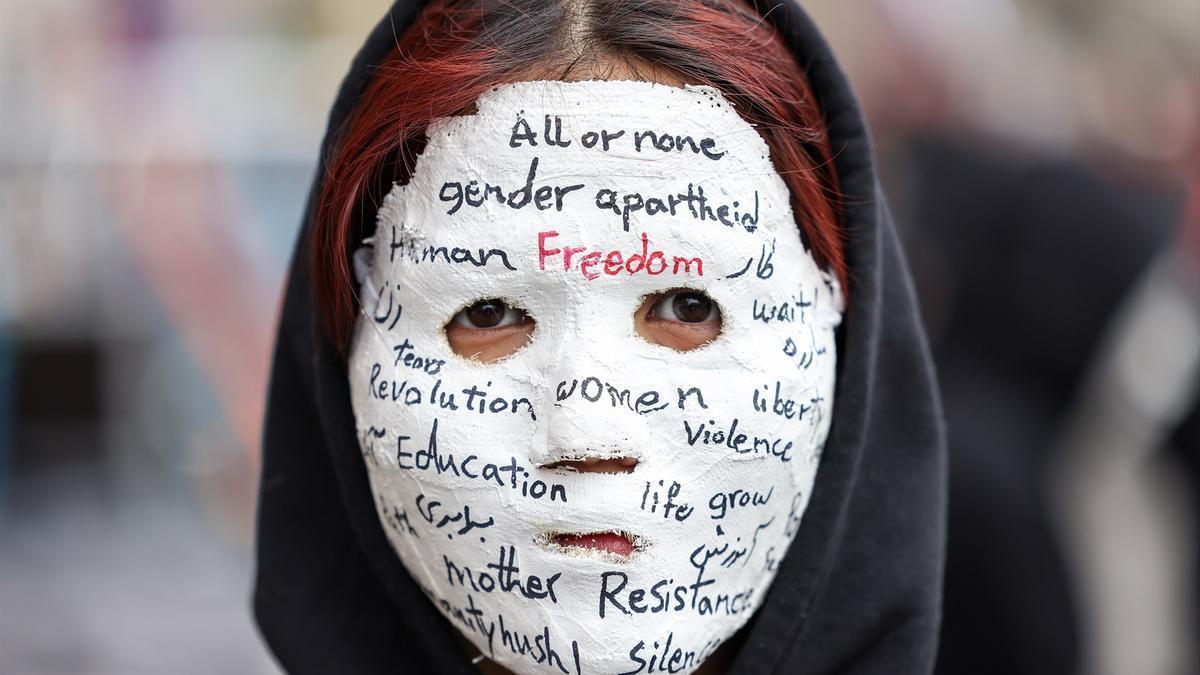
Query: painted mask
570, 204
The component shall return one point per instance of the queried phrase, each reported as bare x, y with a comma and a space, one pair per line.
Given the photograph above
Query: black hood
860, 588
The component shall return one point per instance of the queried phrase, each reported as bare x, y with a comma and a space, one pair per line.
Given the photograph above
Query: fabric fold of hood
859, 591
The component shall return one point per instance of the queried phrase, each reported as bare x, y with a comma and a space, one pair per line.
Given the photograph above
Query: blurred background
1043, 161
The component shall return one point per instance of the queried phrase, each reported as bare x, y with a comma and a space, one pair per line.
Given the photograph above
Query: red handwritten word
614, 262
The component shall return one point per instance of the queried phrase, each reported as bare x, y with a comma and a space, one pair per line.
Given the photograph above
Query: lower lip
609, 542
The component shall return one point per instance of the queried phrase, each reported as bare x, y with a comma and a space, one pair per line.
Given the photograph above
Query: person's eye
489, 330
489, 314
682, 319
686, 307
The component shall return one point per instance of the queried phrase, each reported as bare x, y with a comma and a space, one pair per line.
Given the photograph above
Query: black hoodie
859, 590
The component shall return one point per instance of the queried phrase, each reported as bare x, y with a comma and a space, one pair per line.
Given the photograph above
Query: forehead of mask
573, 201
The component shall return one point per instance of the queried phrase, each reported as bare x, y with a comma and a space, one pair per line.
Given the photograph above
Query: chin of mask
560, 214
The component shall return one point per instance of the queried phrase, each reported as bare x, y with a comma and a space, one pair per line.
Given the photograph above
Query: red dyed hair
457, 49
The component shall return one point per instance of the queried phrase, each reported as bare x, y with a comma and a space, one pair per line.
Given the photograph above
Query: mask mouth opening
611, 545
592, 464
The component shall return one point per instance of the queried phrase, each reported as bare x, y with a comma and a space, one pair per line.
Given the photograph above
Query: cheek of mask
573, 202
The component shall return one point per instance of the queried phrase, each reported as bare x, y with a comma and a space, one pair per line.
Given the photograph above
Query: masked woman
599, 356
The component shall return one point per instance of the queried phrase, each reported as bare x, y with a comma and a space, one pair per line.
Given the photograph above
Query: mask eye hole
682, 319
489, 330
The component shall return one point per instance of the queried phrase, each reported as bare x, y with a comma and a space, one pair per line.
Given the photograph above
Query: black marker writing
741, 443
697, 204
721, 502
666, 660
410, 360
512, 475
682, 511
505, 577
429, 511
473, 194
394, 309
388, 389
592, 389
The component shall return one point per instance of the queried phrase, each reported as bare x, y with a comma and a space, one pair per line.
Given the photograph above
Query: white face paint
727, 436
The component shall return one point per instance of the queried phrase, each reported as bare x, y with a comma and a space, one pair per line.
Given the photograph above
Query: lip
619, 544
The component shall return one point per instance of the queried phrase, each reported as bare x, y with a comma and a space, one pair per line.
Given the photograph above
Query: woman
590, 409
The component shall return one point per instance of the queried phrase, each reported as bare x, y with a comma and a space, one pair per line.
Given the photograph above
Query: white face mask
727, 437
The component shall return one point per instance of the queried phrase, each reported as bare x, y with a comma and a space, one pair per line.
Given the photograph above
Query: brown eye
489, 314
489, 330
687, 307
682, 319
